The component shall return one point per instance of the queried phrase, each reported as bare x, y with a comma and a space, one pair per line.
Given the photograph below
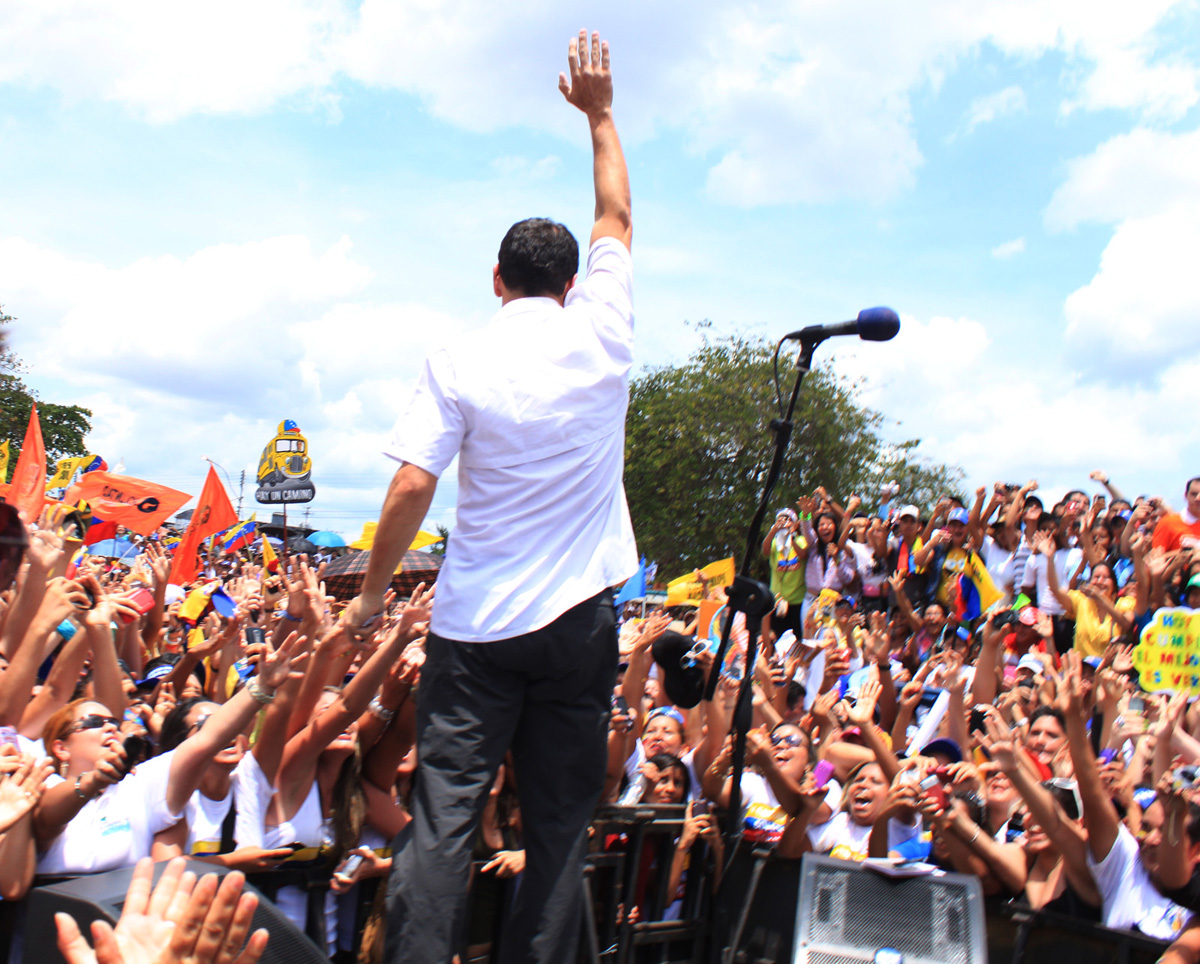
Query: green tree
439, 548
64, 427
697, 451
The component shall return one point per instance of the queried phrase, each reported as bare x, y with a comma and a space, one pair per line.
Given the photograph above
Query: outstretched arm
590, 89
408, 499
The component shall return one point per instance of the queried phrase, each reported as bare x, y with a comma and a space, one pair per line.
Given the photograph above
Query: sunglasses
14, 540
1071, 787
789, 740
93, 721
200, 721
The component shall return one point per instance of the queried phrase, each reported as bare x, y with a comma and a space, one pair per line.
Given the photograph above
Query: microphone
872, 324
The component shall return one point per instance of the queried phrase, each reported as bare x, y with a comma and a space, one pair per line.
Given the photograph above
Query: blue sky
218, 216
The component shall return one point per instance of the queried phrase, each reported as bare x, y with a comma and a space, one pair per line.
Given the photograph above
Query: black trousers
547, 695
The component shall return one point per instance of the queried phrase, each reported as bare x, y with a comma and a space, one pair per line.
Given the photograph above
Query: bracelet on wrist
284, 614
261, 696
79, 788
376, 708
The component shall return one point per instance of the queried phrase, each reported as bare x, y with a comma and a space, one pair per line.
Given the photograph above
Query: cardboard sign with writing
1168, 656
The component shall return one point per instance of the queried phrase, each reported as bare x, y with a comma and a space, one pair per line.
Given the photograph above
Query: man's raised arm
590, 89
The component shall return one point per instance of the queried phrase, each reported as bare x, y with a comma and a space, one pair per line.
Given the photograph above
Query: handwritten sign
1168, 656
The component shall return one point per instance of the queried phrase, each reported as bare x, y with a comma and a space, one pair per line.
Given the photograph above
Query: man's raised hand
590, 85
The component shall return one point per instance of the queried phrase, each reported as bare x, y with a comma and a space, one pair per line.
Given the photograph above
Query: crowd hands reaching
889, 722
270, 742
997, 729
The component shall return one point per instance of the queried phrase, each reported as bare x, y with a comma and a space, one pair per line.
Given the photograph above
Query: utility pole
241, 490
307, 510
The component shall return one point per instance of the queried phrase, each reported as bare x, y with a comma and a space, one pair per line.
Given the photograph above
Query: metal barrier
629, 868
1017, 935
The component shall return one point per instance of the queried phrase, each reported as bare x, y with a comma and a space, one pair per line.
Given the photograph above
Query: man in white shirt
522, 648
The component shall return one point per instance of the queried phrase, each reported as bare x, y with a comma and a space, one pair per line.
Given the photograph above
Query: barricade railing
629, 867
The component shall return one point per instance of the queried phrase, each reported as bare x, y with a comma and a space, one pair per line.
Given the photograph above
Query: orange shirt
1172, 533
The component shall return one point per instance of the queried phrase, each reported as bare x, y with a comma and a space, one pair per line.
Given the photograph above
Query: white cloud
984, 110
804, 102
1009, 249
1140, 311
207, 353
167, 60
542, 169
1144, 172
977, 402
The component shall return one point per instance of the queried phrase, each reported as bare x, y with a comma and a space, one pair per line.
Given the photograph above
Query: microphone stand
753, 599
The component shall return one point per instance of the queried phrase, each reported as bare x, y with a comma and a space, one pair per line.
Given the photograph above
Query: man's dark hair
538, 257
1187, 488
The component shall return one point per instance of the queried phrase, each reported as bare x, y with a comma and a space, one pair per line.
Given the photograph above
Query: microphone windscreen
878, 324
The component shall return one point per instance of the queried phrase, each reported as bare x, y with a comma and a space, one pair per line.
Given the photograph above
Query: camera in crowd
1185, 777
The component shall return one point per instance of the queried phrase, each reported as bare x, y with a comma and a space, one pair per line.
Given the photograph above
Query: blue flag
635, 587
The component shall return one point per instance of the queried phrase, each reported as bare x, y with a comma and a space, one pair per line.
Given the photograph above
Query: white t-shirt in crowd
1130, 900
1000, 564
844, 839
117, 828
205, 817
765, 819
309, 828
534, 407
1066, 561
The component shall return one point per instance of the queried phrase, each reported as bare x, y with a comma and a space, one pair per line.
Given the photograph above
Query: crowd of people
954, 686
890, 721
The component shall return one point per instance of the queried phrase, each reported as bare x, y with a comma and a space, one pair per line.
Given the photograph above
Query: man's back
534, 405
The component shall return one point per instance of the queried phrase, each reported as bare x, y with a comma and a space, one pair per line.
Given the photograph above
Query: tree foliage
698, 448
63, 426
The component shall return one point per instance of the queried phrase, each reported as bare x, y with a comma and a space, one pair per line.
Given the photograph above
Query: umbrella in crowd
326, 539
344, 577
301, 544
114, 549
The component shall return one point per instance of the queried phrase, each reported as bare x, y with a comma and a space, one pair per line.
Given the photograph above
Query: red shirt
1173, 533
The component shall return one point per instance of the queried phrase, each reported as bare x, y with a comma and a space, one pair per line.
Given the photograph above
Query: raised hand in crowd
180, 921
22, 782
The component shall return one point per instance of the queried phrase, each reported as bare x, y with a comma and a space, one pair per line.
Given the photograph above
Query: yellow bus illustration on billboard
285, 469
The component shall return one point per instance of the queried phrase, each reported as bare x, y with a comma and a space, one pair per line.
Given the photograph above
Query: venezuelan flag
977, 593
236, 537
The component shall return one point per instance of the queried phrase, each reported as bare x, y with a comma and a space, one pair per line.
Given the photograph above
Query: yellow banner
4, 461
1168, 656
689, 589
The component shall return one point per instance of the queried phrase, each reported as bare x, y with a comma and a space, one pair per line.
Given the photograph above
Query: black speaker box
101, 897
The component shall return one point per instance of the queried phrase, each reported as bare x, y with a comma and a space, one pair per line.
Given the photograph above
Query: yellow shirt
1094, 628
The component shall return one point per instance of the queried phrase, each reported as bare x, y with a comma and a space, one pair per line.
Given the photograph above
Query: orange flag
138, 505
27, 491
214, 513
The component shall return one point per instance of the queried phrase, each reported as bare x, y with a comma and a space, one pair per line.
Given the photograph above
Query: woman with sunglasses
771, 785
99, 813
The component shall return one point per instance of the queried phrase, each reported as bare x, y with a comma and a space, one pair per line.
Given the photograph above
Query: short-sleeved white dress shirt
534, 406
